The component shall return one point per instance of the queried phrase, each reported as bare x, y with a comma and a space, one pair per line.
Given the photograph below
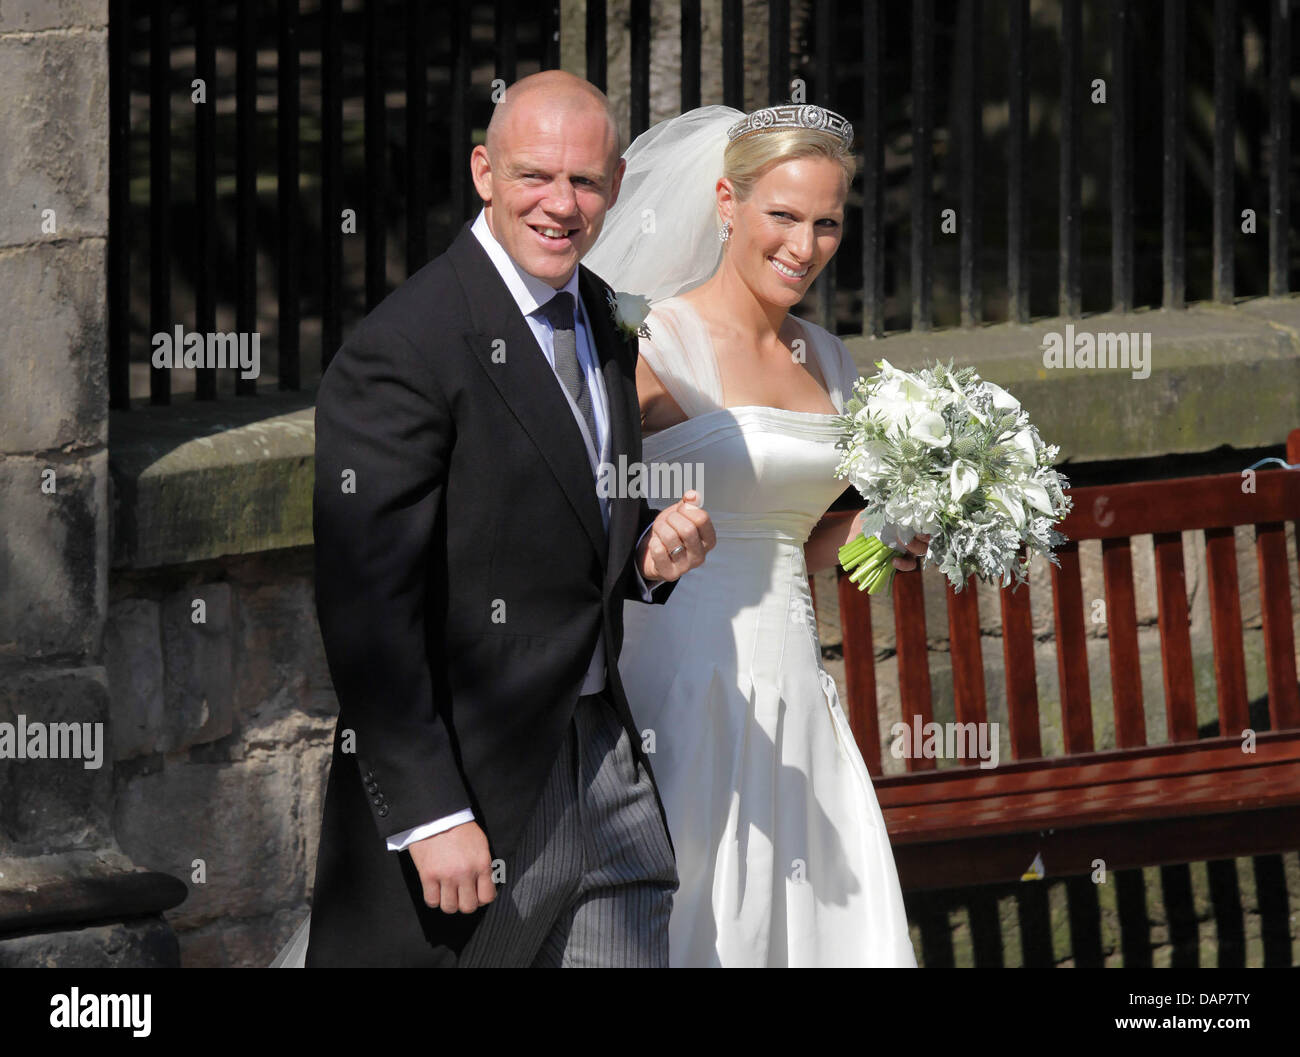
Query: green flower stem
869, 563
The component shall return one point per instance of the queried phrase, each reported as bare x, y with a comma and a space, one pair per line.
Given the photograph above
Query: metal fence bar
1173, 264
1121, 156
597, 57
922, 138
970, 21
119, 204
331, 176
1225, 131
1069, 293
205, 191
1279, 136
376, 147
286, 183
160, 192
417, 137
778, 51
824, 58
550, 21
507, 41
462, 189
640, 66
1018, 162
690, 54
246, 181
873, 242
733, 54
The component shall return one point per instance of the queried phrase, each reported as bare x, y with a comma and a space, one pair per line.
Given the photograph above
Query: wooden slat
1181, 504
967, 660
1087, 768
1175, 637
950, 864
1072, 651
1122, 637
913, 661
1112, 786
1252, 785
1279, 640
1225, 619
860, 670
1018, 663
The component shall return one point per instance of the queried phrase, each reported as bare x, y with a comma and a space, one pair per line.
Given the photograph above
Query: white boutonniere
629, 312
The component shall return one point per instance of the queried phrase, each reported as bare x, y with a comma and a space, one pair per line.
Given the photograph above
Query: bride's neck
729, 296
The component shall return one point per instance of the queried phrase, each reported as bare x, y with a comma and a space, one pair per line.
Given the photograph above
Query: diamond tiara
793, 115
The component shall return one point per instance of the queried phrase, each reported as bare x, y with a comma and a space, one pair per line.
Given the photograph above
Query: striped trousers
592, 878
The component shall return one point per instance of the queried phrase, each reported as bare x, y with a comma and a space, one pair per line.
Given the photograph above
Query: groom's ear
618, 182
480, 170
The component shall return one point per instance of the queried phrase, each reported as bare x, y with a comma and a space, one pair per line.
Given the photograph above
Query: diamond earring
724, 232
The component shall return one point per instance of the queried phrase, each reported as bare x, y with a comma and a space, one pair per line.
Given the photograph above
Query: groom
489, 802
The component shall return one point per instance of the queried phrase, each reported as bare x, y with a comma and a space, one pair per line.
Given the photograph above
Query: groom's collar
529, 292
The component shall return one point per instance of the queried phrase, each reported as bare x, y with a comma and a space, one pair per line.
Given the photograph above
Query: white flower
963, 479
629, 312
1009, 503
930, 429
1036, 496
1001, 398
1022, 449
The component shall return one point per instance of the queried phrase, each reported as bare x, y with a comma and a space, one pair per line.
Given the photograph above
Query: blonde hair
749, 157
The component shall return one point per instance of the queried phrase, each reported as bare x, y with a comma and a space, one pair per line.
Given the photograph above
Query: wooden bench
1139, 804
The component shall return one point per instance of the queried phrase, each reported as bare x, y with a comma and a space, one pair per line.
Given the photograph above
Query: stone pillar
68, 896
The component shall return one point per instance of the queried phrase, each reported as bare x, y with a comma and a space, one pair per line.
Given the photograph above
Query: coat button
383, 811
377, 801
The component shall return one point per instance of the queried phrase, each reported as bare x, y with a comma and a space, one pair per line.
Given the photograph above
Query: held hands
916, 548
677, 541
455, 869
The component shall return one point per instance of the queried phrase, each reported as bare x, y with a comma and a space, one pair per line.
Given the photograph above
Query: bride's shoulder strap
836, 362
679, 351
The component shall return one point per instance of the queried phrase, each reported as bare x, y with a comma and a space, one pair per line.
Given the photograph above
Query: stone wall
60, 867
223, 730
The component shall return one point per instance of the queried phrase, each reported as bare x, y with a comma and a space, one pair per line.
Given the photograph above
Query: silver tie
558, 311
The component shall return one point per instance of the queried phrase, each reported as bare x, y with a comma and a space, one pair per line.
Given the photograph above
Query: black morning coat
462, 574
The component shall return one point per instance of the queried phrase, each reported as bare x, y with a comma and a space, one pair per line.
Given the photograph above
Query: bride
781, 847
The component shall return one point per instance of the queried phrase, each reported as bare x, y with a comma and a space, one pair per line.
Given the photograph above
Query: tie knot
558, 311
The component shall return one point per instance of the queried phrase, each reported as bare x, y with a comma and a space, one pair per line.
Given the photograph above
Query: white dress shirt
530, 294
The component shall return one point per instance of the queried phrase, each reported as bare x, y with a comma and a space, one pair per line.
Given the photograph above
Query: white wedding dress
781, 848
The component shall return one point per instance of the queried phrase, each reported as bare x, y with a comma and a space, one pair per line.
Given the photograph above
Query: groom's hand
455, 868
677, 541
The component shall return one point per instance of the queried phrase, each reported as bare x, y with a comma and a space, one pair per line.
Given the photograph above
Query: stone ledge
196, 481
1220, 376
77, 888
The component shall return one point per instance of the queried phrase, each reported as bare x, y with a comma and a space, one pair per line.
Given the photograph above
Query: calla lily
963, 479
930, 429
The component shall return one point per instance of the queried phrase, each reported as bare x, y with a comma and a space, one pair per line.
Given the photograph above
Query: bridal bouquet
940, 452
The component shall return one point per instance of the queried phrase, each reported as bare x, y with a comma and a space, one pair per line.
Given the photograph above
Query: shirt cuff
400, 841
646, 589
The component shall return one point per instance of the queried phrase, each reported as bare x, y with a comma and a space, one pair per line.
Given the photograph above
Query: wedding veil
661, 237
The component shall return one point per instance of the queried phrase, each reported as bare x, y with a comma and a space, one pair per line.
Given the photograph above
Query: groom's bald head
548, 172
552, 92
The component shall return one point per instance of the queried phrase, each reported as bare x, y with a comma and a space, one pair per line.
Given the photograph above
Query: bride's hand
915, 549
677, 541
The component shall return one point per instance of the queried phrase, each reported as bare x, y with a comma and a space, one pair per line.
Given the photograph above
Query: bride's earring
724, 232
